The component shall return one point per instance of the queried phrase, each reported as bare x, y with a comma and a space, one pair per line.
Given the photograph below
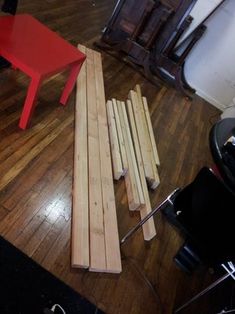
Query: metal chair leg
153, 212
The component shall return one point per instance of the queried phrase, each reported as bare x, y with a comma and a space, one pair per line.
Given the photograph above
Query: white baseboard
210, 99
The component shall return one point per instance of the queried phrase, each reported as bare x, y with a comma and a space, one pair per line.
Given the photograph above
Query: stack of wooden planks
134, 152
95, 240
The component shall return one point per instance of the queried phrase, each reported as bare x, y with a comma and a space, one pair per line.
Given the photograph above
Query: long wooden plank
156, 181
133, 156
149, 230
150, 129
120, 136
115, 149
130, 197
112, 246
145, 144
132, 189
97, 240
80, 213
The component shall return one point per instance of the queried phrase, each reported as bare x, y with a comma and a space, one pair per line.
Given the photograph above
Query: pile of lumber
134, 152
95, 240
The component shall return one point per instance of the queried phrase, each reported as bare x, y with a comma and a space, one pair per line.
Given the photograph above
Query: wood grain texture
44, 187
115, 147
80, 220
150, 129
131, 185
112, 246
97, 232
149, 227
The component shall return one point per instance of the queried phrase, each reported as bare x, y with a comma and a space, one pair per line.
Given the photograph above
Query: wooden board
120, 136
150, 168
97, 240
132, 152
149, 230
80, 212
115, 148
131, 183
150, 129
112, 246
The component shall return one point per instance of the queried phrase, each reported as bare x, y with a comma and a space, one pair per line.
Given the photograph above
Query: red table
40, 53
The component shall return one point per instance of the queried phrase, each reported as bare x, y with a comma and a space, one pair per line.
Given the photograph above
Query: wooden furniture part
40, 53
120, 136
144, 33
145, 143
80, 221
112, 247
132, 152
150, 129
149, 230
115, 148
98, 196
131, 184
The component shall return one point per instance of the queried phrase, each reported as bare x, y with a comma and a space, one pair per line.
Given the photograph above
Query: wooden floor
36, 170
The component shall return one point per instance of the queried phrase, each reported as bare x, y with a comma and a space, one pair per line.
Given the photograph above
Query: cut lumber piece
80, 213
97, 237
150, 168
115, 149
149, 230
112, 246
131, 184
133, 156
120, 136
150, 129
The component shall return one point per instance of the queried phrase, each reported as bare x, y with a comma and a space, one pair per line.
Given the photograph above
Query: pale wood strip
35, 151
120, 136
133, 156
132, 190
145, 144
150, 129
115, 149
149, 230
80, 213
97, 241
112, 246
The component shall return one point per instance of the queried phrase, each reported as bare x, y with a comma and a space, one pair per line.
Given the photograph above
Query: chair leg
151, 214
212, 286
70, 82
30, 102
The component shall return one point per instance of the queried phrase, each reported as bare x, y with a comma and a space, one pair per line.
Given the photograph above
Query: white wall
210, 67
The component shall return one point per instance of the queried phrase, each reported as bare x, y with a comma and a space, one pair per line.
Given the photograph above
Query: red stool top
34, 48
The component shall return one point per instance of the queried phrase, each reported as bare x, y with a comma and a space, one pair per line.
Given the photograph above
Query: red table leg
70, 82
30, 102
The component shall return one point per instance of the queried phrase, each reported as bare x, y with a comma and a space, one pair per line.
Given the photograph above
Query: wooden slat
120, 136
145, 144
112, 246
97, 241
149, 230
131, 184
80, 213
150, 129
115, 149
133, 156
